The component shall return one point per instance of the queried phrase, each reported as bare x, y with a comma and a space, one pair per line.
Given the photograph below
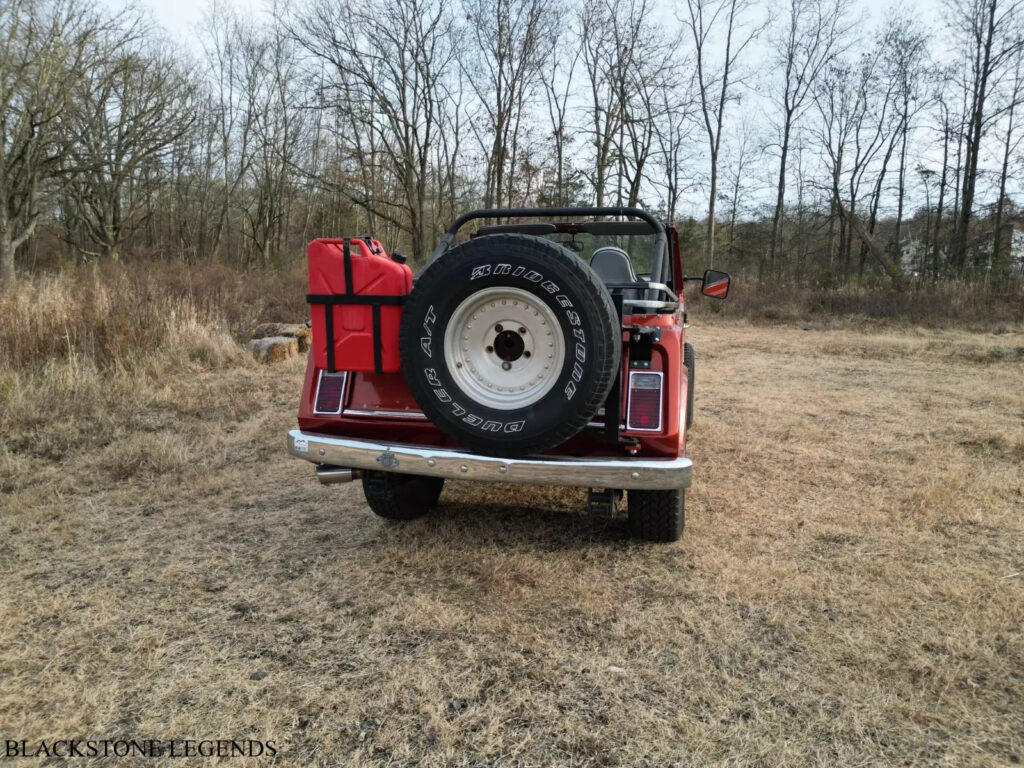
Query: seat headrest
612, 265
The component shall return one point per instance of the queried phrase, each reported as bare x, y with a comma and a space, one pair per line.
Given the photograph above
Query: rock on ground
273, 349
297, 331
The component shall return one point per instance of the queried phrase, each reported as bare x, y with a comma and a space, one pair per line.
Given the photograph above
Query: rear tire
656, 515
400, 497
688, 362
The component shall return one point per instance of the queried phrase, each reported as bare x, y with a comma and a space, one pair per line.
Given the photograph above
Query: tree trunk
941, 202
781, 195
959, 250
711, 210
6, 259
1000, 265
901, 193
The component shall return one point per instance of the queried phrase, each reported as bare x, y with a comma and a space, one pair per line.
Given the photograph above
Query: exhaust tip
328, 474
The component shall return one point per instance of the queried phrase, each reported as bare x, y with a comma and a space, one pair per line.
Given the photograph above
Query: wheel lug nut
506, 366
490, 349
522, 331
498, 328
526, 354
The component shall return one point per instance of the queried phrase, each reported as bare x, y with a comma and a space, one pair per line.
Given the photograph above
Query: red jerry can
356, 292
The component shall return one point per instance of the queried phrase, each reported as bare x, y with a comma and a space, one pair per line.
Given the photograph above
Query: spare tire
510, 344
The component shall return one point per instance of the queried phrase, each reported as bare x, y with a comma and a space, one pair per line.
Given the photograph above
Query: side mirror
715, 284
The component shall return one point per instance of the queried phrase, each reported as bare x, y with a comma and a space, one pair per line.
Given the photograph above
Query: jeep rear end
519, 363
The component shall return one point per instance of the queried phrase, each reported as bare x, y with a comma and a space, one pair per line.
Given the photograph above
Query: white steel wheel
504, 347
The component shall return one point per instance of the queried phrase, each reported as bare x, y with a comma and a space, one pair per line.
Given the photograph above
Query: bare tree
812, 35
841, 97
557, 79
910, 74
946, 128
627, 64
510, 40
991, 38
223, 34
673, 134
270, 62
600, 59
130, 109
715, 78
44, 49
389, 62
1013, 139
741, 157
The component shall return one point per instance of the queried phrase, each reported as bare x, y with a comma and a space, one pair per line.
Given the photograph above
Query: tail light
330, 389
644, 411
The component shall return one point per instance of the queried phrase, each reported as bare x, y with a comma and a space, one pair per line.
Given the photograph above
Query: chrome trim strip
661, 400
358, 412
341, 400
647, 474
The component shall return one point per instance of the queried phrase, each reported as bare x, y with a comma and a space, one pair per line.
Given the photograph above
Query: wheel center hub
509, 346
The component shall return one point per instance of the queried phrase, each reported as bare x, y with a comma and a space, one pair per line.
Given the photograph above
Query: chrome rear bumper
645, 474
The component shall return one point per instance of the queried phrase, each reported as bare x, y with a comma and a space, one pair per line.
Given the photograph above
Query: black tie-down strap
331, 300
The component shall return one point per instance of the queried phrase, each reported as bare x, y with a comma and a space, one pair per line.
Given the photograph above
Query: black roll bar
660, 238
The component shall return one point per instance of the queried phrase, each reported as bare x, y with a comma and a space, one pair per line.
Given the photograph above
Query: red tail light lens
644, 411
330, 388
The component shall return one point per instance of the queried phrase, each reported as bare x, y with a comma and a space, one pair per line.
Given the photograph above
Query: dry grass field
849, 590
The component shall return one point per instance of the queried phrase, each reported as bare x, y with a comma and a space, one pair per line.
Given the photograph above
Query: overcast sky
179, 17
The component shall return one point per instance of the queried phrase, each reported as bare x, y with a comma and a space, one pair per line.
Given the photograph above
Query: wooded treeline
795, 141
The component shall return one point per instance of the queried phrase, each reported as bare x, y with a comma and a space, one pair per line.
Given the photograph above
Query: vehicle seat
613, 266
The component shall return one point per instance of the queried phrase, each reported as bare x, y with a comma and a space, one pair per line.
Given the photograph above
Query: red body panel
380, 406
373, 274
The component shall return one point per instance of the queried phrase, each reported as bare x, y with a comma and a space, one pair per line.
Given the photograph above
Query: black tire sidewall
533, 265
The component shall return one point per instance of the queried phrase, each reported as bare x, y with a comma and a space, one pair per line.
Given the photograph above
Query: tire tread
656, 515
400, 497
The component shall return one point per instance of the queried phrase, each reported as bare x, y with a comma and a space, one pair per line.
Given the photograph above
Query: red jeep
548, 351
